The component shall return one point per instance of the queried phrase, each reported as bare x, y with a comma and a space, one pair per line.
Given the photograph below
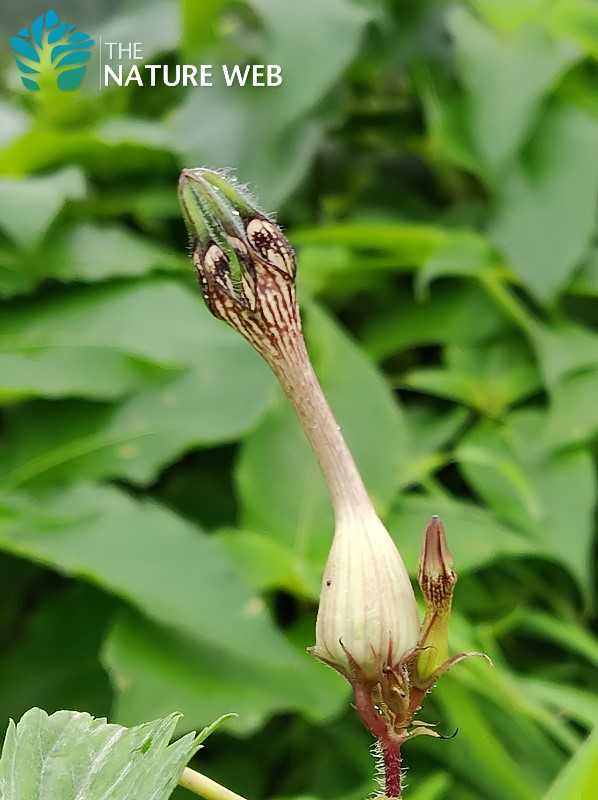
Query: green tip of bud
436, 576
214, 206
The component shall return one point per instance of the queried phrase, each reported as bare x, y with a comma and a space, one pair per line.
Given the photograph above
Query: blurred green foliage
162, 520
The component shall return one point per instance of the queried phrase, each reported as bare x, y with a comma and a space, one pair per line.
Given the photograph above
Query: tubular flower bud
245, 266
437, 581
367, 617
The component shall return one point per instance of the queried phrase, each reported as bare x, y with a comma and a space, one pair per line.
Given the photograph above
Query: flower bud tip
436, 574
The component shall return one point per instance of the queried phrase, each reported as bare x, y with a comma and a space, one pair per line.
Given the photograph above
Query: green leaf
28, 207
435, 787
410, 244
52, 661
564, 634
158, 668
70, 755
573, 417
457, 313
579, 778
279, 136
562, 487
577, 19
464, 254
479, 753
65, 372
267, 564
92, 252
506, 77
282, 490
562, 699
223, 394
52, 444
547, 206
148, 556
157, 320
489, 379
563, 349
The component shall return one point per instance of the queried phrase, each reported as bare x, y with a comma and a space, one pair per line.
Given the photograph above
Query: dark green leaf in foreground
70, 756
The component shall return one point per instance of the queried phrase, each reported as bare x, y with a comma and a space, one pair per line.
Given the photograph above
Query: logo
51, 52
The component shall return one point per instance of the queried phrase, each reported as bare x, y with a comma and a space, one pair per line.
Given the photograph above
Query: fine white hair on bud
367, 616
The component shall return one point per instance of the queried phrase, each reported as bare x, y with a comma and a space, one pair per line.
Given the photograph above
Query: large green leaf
547, 203
157, 320
29, 206
270, 136
92, 252
282, 490
150, 557
70, 755
53, 660
548, 494
506, 77
224, 392
157, 668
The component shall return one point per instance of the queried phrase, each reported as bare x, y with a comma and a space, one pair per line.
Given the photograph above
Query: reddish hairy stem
391, 753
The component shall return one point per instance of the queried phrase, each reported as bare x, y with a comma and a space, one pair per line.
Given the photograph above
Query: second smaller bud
437, 579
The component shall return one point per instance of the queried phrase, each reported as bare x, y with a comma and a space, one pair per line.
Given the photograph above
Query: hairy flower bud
367, 616
245, 266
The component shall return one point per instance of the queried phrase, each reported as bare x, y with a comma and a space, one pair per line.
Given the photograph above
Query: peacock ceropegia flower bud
245, 266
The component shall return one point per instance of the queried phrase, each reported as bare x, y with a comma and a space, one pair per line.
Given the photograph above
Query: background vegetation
162, 522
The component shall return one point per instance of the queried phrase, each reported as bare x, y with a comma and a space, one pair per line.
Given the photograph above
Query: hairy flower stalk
367, 626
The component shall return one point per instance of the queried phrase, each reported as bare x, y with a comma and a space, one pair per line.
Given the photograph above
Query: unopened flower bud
245, 266
437, 581
367, 616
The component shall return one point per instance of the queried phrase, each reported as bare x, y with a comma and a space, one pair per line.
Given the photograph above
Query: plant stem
206, 787
301, 385
391, 753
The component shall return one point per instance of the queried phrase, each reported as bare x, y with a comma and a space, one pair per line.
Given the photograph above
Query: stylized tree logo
50, 50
